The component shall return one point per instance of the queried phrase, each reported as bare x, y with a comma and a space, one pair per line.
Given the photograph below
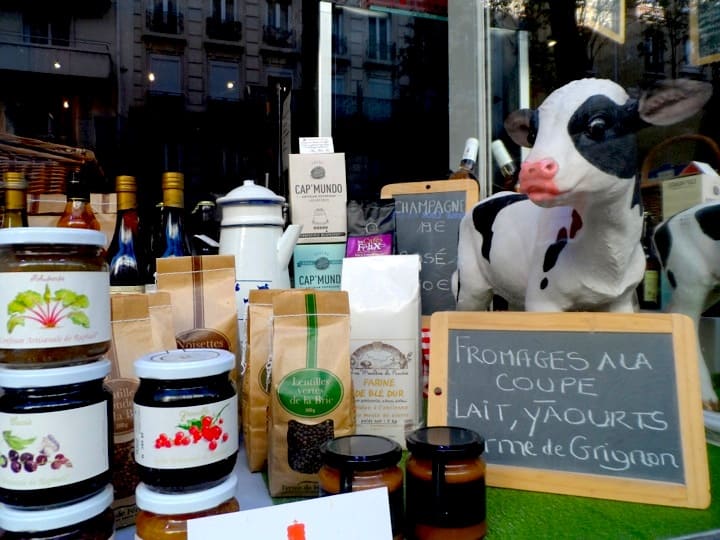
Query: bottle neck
467, 164
126, 200
15, 199
173, 198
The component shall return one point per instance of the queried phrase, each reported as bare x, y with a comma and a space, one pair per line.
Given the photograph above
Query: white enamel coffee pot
252, 230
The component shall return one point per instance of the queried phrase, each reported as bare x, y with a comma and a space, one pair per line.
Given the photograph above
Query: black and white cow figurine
570, 241
688, 245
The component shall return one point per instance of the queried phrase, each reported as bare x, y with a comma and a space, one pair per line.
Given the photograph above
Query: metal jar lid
184, 364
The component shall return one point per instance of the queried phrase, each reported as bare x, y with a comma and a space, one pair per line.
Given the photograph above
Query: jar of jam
55, 297
89, 519
445, 484
56, 426
164, 516
186, 418
357, 462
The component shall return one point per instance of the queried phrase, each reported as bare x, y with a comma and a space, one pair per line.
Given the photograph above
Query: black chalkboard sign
597, 404
427, 222
705, 31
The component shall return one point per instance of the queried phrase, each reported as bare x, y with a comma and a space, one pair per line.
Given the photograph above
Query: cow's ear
521, 125
673, 101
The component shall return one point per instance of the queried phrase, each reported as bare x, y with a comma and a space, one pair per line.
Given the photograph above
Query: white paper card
316, 145
343, 516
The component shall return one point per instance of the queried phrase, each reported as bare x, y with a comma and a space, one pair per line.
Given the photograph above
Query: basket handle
652, 153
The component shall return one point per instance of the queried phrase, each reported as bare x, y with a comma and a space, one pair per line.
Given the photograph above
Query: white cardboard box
686, 191
318, 197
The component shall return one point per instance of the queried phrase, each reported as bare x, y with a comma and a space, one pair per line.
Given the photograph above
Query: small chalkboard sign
705, 31
600, 405
427, 222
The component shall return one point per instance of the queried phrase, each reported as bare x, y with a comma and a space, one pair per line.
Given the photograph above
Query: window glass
223, 81
164, 74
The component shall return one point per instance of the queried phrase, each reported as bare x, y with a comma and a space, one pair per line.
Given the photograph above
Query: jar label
53, 309
184, 437
52, 449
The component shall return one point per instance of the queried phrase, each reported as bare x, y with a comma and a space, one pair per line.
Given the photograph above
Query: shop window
164, 75
223, 80
46, 29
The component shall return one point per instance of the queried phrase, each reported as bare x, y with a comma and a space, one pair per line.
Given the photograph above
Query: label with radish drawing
51, 449
181, 437
53, 309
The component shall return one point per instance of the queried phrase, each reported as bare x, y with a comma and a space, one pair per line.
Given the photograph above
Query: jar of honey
56, 297
90, 518
164, 516
185, 419
445, 484
57, 432
357, 462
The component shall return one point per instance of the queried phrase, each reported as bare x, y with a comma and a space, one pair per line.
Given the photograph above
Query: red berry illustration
225, 437
192, 431
212, 445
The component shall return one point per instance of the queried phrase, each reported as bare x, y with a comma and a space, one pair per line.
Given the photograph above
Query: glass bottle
78, 212
170, 238
648, 290
126, 255
467, 163
205, 229
15, 214
505, 162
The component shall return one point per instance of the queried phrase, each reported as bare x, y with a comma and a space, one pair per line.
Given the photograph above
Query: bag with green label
312, 398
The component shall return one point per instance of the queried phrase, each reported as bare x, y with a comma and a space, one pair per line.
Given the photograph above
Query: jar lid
26, 520
361, 452
447, 442
49, 377
184, 364
250, 192
51, 235
184, 502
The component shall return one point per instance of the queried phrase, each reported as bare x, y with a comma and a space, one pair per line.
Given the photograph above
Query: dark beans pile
304, 442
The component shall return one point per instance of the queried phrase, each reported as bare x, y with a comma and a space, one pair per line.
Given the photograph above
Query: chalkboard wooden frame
699, 55
468, 186
693, 491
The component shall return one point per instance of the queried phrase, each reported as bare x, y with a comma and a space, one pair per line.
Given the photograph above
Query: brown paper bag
255, 381
312, 397
161, 320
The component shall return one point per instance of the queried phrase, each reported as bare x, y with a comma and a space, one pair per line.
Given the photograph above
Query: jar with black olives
56, 426
445, 484
186, 419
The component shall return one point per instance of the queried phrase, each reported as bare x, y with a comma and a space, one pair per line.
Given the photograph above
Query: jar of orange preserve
445, 484
164, 516
357, 462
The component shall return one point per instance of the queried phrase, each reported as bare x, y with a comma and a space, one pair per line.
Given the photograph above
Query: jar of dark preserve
357, 462
164, 516
186, 419
445, 484
57, 432
89, 519
56, 290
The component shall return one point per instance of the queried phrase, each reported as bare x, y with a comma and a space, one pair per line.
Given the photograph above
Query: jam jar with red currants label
186, 419
55, 433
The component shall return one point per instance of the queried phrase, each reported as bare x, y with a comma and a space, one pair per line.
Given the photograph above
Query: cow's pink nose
544, 169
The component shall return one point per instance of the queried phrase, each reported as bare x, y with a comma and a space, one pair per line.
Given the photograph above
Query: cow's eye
596, 128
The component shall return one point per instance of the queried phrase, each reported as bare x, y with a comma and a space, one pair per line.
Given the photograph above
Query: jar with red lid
358, 462
185, 419
445, 484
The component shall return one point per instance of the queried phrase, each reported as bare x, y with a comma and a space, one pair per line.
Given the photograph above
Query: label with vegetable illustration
46, 450
171, 438
53, 309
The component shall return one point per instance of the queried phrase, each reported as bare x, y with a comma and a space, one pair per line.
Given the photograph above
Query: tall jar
186, 419
88, 519
164, 516
358, 462
57, 432
445, 484
55, 297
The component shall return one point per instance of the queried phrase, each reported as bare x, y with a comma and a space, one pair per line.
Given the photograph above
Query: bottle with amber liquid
126, 255
467, 162
78, 212
170, 238
648, 290
15, 214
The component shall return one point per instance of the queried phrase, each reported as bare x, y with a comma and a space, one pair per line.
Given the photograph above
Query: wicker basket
45, 165
651, 190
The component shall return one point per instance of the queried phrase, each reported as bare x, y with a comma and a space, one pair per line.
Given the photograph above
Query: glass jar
56, 426
55, 297
164, 516
445, 484
357, 462
186, 418
89, 519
